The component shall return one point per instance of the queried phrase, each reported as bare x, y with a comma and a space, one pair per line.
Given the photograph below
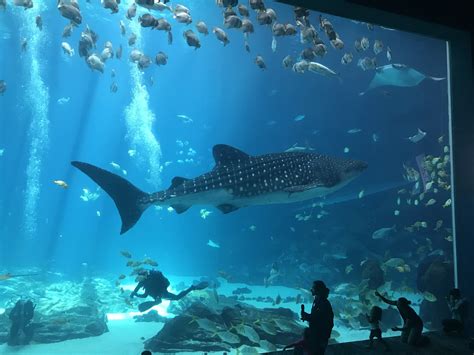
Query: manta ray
397, 75
237, 180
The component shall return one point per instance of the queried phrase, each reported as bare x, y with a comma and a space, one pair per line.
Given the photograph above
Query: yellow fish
61, 183
400, 269
7, 276
431, 201
447, 203
429, 296
150, 262
349, 268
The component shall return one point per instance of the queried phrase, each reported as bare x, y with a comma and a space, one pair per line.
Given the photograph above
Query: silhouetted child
302, 346
375, 332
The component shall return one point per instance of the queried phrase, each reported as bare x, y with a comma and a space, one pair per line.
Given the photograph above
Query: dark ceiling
453, 13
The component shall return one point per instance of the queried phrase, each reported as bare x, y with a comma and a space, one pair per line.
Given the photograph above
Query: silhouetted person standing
374, 319
320, 320
459, 312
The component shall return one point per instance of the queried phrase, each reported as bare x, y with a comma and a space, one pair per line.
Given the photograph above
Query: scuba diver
21, 316
156, 285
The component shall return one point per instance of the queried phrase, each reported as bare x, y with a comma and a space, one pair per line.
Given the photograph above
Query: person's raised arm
384, 299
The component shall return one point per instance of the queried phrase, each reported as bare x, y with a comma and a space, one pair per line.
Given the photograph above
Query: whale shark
397, 75
237, 180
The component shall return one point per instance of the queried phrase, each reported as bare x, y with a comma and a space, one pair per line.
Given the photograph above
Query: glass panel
269, 148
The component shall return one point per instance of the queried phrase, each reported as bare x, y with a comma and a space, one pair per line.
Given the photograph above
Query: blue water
231, 101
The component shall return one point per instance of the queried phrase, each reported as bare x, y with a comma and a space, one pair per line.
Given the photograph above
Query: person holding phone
320, 319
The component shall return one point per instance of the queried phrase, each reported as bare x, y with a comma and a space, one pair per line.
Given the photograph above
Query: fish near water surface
237, 180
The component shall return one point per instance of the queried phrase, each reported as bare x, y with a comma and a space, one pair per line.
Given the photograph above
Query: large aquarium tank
175, 175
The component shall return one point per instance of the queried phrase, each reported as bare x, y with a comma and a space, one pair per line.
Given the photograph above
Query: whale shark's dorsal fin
178, 180
225, 154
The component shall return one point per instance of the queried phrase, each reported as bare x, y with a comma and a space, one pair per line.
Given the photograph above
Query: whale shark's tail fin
130, 201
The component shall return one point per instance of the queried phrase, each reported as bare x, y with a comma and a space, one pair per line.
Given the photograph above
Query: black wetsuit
156, 286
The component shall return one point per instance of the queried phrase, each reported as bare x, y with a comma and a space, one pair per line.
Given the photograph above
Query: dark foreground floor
440, 345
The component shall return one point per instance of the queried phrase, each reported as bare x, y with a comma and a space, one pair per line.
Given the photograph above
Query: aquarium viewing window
459, 71
175, 176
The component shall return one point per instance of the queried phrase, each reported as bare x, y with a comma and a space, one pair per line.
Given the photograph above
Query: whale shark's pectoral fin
301, 188
180, 208
227, 208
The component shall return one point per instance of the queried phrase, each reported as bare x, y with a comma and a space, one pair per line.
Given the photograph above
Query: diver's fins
145, 306
130, 200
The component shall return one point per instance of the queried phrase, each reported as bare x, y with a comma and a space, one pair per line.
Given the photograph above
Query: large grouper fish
237, 180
